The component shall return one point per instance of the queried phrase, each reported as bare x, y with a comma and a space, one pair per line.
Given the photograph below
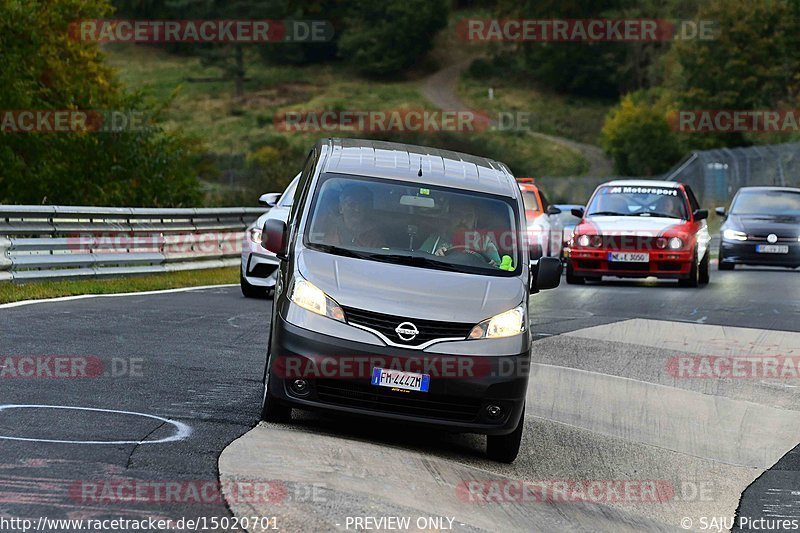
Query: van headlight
733, 235
505, 324
310, 297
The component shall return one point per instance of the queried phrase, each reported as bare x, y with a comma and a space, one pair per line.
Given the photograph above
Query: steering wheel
467, 252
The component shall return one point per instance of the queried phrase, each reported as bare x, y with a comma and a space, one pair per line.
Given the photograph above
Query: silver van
402, 291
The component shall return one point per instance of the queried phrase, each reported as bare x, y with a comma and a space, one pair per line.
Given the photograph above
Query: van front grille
387, 324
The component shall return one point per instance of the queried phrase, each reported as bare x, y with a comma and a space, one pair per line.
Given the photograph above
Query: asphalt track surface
602, 406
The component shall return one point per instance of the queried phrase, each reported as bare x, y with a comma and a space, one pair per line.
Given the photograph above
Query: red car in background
544, 229
641, 228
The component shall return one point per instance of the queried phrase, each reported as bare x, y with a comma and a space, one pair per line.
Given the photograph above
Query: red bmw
640, 228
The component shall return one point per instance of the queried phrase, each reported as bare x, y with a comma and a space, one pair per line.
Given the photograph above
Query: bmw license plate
628, 257
772, 248
397, 379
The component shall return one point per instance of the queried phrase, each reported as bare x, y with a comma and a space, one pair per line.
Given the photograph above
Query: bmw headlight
733, 235
583, 240
507, 324
255, 235
675, 243
310, 297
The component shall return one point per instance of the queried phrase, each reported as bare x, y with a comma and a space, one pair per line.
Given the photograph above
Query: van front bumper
337, 374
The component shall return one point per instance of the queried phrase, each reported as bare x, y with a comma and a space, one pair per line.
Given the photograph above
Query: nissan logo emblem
772, 238
406, 331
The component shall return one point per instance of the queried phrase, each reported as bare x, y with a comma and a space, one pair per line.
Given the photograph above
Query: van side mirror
546, 274
577, 212
721, 211
270, 199
553, 210
700, 214
275, 237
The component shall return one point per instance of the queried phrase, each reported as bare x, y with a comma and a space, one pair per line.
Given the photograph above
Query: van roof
402, 162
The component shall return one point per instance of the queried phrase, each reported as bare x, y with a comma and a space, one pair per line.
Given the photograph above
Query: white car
259, 266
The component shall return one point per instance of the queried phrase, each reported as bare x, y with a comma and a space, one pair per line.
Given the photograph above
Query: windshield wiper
606, 214
331, 249
414, 260
656, 214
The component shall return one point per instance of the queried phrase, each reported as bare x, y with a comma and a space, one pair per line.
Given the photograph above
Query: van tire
505, 448
271, 410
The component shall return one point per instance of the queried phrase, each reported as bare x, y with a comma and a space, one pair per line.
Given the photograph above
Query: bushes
44, 69
637, 135
385, 37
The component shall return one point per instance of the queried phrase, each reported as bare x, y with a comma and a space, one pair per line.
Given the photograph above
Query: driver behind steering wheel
462, 235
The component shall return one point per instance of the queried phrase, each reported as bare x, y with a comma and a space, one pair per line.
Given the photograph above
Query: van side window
308, 169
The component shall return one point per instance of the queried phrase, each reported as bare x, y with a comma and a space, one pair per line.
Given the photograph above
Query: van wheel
505, 448
703, 275
271, 410
694, 275
572, 279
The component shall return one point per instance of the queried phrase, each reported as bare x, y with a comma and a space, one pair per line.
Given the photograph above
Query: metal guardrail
57, 242
716, 175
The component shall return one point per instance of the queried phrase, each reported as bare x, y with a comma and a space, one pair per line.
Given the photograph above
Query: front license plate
772, 248
397, 379
628, 257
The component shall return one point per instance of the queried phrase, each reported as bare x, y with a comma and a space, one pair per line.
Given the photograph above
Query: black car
761, 228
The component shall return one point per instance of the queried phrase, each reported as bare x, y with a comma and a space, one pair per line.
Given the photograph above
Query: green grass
579, 119
527, 156
14, 292
209, 111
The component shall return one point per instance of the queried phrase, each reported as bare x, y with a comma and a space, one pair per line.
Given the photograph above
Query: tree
381, 38
594, 69
331, 12
637, 135
46, 69
752, 63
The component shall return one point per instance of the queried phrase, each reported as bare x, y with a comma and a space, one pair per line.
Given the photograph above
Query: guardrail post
5, 262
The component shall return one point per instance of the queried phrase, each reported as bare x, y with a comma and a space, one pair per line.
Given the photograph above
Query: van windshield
414, 224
